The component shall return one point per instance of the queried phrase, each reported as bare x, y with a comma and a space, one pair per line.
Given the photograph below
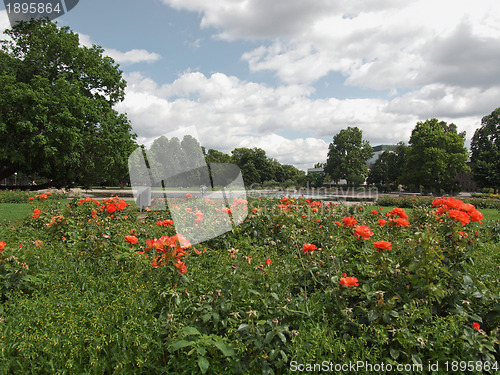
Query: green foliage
14, 196
435, 154
60, 123
347, 156
78, 298
485, 146
409, 201
215, 156
201, 346
256, 168
389, 167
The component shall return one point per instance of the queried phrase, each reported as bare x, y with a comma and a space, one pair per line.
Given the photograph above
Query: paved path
349, 197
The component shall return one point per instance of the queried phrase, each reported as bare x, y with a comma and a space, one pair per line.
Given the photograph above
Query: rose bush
96, 286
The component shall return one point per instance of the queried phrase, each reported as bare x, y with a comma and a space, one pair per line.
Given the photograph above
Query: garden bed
92, 287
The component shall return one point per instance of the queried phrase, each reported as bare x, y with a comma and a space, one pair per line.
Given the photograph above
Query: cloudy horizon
286, 76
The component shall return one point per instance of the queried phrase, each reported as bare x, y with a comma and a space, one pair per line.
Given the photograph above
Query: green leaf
227, 351
258, 343
201, 350
476, 318
468, 281
416, 359
269, 337
188, 331
282, 337
181, 344
243, 327
205, 318
394, 353
203, 364
372, 315
394, 313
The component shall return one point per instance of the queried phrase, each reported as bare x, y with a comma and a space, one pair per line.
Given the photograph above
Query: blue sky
287, 75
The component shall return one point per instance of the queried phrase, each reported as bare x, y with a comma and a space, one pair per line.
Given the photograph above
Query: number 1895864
33, 8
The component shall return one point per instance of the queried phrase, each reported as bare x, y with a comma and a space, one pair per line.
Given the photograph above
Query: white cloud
441, 101
435, 59
262, 19
376, 44
254, 19
442, 55
125, 58
287, 124
133, 56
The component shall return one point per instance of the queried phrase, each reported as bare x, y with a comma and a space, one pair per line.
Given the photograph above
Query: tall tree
388, 167
435, 155
292, 173
255, 165
215, 156
397, 165
56, 107
379, 172
347, 156
485, 147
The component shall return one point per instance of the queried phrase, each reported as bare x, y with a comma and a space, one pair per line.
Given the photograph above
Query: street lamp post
15, 178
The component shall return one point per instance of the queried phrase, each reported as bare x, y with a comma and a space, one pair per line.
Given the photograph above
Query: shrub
21, 196
412, 201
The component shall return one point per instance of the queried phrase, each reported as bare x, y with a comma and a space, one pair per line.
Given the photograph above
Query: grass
14, 211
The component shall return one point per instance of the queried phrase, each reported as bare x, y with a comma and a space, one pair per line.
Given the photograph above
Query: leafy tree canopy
435, 155
56, 108
348, 155
389, 166
257, 168
485, 147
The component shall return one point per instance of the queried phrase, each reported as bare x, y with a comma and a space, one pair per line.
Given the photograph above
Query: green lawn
14, 211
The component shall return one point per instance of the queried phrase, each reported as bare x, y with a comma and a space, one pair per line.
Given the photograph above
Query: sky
287, 75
